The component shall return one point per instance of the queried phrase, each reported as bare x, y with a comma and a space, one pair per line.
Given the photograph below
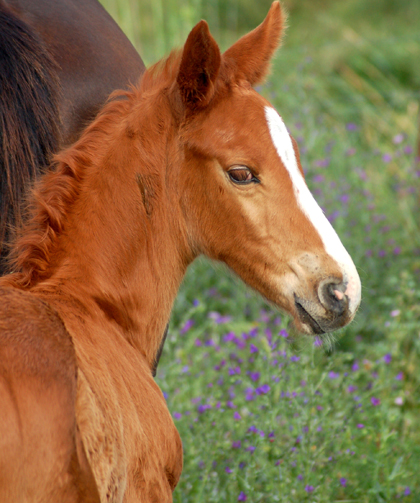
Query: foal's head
216, 172
243, 194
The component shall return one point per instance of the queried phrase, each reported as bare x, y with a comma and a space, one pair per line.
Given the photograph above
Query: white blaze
310, 208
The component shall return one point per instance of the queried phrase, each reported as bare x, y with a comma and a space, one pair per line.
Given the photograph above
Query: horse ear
249, 58
199, 67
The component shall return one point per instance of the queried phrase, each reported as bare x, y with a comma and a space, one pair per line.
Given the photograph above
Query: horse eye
242, 175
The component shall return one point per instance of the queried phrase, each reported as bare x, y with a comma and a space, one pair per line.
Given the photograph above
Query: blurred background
347, 84
367, 48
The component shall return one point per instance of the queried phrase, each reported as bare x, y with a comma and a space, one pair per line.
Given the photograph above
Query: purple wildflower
317, 342
375, 401
242, 496
309, 488
253, 348
228, 470
249, 394
240, 343
388, 358
253, 332
230, 336
322, 163
262, 390
407, 491
360, 425
177, 415
218, 318
236, 444
333, 375
333, 216
343, 482
187, 325
236, 415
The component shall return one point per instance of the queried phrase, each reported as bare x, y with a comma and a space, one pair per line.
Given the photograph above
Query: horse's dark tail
29, 117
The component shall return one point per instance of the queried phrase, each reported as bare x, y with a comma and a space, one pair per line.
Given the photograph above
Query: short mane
56, 191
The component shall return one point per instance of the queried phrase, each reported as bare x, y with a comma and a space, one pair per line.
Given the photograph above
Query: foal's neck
123, 252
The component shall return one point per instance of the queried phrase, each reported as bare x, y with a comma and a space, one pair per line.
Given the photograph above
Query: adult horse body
192, 162
59, 62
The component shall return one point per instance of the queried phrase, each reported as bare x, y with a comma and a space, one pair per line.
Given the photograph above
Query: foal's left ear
249, 58
199, 67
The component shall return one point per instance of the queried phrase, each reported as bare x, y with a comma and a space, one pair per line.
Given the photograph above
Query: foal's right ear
199, 67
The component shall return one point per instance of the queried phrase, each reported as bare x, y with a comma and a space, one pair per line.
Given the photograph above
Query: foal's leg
41, 455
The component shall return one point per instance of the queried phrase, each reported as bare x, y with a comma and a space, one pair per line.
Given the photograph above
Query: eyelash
250, 177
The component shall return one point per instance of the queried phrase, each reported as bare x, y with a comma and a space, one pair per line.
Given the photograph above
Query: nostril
332, 297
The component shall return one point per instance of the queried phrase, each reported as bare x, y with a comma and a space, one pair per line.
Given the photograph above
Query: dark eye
242, 175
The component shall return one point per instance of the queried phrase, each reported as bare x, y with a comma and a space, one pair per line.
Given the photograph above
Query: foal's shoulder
33, 338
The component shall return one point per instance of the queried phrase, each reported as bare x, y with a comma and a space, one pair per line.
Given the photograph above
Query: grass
266, 417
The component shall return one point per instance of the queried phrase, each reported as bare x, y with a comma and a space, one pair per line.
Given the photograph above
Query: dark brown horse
193, 161
59, 61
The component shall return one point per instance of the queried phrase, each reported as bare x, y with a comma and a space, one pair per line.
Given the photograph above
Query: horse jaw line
308, 205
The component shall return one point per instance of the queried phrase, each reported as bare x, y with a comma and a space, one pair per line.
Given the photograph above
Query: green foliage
347, 83
257, 417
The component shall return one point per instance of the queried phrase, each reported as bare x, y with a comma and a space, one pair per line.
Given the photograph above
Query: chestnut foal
192, 162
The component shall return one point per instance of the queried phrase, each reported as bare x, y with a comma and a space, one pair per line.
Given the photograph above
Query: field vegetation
266, 416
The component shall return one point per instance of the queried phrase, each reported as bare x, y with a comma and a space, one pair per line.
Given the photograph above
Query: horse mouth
306, 318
